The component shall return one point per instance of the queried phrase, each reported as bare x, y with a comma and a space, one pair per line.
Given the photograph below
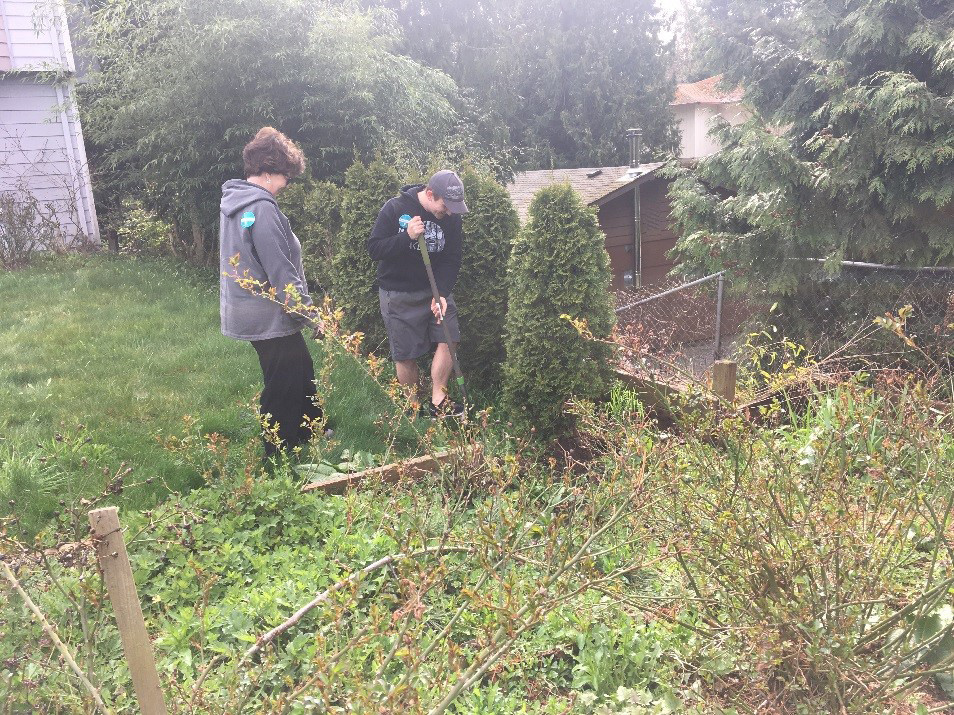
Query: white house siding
41, 140
5, 63
37, 35
685, 117
695, 121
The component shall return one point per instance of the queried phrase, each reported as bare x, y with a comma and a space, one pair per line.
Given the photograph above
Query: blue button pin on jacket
248, 218
404, 221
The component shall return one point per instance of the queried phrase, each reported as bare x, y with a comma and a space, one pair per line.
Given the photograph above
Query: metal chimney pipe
635, 136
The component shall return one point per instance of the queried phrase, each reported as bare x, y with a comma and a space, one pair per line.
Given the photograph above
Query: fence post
723, 379
718, 318
114, 561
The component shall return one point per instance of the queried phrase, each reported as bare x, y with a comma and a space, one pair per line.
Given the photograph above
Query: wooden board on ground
792, 393
390, 473
656, 393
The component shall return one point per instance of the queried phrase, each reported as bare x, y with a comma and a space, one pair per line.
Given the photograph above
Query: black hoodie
400, 265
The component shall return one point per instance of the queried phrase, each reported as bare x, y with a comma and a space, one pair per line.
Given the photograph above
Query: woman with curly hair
256, 241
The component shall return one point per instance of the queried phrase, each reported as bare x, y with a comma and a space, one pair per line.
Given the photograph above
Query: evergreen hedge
366, 189
314, 210
558, 266
489, 231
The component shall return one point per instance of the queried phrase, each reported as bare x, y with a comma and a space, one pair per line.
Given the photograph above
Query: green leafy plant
141, 233
347, 463
615, 655
625, 404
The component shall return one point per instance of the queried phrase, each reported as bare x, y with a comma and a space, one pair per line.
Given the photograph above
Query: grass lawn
128, 348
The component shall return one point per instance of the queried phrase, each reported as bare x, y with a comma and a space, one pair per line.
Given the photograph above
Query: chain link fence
850, 320
677, 329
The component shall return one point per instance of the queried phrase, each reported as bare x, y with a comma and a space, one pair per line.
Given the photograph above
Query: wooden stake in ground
113, 560
723, 379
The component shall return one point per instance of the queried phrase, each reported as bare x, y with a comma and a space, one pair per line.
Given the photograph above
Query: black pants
289, 394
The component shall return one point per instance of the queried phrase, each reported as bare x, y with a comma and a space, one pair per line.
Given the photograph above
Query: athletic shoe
447, 408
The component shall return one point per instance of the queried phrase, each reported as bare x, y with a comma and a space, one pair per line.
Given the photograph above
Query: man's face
436, 206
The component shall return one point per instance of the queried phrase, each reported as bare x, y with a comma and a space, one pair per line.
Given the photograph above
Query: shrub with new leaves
558, 267
314, 210
366, 189
26, 227
481, 293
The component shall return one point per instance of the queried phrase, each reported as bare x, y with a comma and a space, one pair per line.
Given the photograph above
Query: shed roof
706, 91
594, 184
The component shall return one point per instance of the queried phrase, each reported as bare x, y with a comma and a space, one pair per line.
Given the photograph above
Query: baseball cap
448, 186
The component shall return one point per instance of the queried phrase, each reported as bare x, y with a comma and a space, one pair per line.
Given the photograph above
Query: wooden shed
42, 155
637, 257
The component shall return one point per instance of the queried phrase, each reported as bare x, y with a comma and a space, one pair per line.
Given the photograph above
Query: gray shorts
411, 326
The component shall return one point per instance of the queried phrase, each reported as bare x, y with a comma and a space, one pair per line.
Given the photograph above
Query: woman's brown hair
273, 153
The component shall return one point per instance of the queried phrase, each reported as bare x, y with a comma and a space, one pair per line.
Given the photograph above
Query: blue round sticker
248, 218
404, 221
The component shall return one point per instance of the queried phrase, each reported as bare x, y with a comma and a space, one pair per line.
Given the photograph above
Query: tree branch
51, 633
267, 638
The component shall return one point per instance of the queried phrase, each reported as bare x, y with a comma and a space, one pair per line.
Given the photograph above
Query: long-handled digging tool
422, 244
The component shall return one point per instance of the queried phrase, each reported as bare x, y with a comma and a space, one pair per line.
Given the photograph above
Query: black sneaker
447, 408
413, 412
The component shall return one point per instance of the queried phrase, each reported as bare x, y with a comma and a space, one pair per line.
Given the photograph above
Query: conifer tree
314, 210
481, 293
560, 81
366, 189
849, 153
558, 267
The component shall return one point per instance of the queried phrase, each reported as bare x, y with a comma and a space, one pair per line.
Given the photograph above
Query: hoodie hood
411, 191
238, 194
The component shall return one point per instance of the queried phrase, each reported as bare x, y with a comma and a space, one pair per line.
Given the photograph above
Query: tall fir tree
366, 189
565, 79
558, 269
849, 152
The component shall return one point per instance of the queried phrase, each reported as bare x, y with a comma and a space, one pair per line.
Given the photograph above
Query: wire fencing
677, 329
863, 316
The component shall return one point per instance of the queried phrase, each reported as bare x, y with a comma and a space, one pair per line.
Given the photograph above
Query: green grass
128, 348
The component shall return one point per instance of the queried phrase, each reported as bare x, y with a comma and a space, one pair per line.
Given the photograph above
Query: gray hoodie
269, 251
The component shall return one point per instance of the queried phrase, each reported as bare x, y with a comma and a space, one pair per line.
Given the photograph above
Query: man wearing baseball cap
430, 212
